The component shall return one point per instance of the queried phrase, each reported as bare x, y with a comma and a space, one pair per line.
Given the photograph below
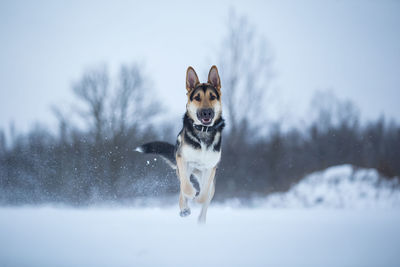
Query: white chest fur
204, 158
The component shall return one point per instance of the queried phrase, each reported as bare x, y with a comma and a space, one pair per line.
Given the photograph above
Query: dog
197, 151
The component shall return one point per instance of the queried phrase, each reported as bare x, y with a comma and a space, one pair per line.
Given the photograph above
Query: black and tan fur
198, 147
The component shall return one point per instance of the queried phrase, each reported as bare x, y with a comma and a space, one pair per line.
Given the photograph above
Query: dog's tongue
205, 121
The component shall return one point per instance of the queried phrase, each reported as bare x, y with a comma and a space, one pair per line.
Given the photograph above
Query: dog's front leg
207, 193
186, 188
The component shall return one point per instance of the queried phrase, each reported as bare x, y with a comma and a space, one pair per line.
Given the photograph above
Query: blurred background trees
78, 167
91, 160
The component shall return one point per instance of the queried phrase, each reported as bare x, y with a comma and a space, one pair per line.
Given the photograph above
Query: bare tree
246, 72
93, 89
246, 64
132, 105
116, 107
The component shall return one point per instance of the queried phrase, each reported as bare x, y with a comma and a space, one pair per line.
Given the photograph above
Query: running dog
197, 151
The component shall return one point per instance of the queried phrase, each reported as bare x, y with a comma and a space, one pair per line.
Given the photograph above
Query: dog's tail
163, 149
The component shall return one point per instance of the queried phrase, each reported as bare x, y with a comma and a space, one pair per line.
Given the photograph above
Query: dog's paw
184, 213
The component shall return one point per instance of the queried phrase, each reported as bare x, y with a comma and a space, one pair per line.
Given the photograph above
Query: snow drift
343, 186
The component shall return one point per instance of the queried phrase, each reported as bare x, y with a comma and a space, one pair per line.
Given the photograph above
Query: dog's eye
197, 98
212, 97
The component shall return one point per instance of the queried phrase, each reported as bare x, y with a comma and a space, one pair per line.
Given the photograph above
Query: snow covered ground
339, 217
49, 236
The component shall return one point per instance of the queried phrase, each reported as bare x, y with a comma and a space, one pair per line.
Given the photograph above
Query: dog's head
204, 99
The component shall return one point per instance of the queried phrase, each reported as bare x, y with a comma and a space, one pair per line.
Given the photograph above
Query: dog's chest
203, 158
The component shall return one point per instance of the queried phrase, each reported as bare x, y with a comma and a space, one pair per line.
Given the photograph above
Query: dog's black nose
206, 113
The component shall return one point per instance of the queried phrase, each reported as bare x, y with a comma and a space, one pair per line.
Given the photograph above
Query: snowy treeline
79, 166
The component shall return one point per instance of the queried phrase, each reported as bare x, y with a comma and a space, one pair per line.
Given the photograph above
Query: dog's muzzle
205, 115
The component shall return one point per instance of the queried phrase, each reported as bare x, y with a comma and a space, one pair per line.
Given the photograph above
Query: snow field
48, 236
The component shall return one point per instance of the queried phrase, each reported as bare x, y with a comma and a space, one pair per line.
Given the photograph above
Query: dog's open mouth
206, 121
205, 116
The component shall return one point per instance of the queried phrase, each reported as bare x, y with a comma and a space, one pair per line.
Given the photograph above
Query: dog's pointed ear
191, 79
213, 78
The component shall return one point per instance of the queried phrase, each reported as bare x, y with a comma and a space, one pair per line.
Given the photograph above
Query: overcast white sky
349, 47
